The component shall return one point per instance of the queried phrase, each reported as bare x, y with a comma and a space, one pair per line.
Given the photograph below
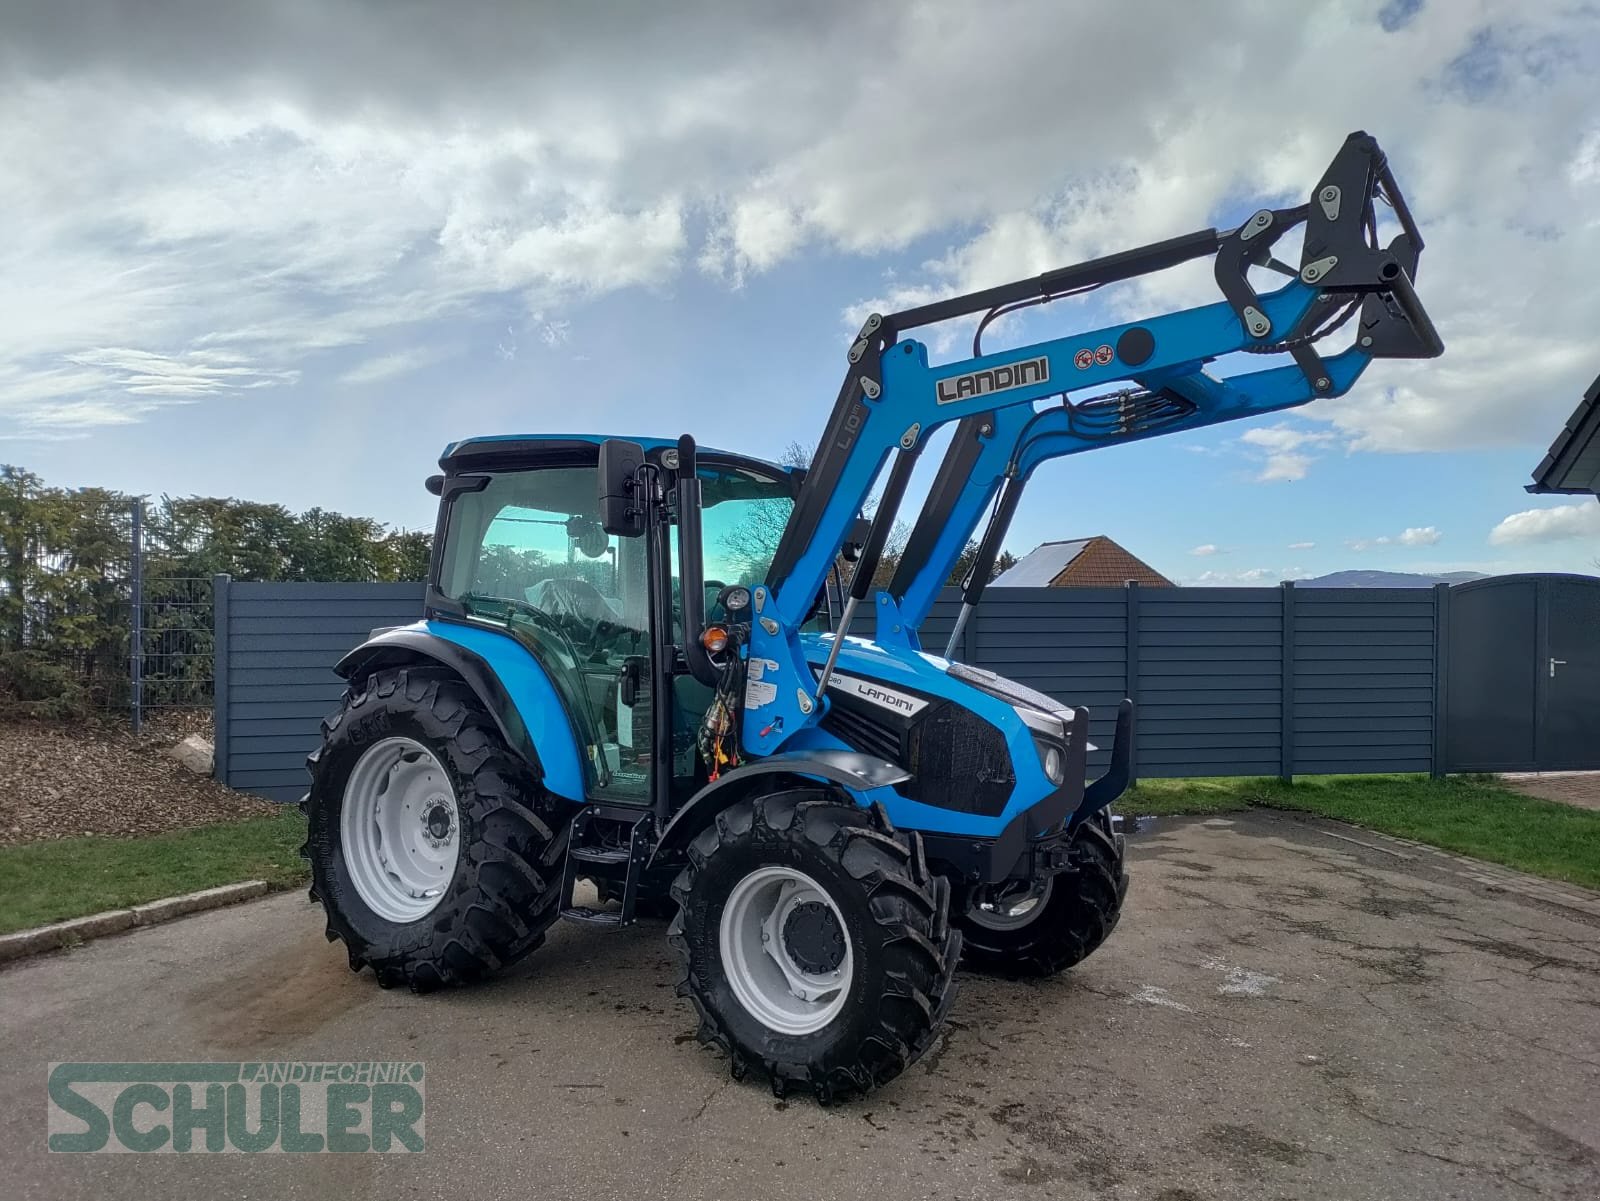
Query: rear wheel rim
1012, 910
786, 950
400, 830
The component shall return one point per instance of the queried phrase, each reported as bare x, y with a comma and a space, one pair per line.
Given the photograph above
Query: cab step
599, 854
595, 851
592, 917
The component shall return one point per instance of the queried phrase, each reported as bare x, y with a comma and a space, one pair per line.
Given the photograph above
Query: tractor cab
523, 550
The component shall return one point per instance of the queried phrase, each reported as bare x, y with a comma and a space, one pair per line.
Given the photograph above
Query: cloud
1249, 577
1282, 446
118, 385
274, 180
1555, 524
391, 366
1301, 545
1426, 535
553, 333
1205, 551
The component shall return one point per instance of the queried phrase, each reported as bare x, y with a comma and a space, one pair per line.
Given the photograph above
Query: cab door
578, 600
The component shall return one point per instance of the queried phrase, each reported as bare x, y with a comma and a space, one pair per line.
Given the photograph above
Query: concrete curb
115, 921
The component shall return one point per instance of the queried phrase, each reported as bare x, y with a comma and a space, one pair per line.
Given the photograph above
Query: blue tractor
639, 669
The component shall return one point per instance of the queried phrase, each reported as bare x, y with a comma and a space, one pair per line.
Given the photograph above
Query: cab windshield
533, 537
742, 516
527, 552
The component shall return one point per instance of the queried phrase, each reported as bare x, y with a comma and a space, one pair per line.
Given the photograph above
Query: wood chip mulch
59, 782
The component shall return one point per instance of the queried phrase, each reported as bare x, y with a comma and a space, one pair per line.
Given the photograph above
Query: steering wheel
587, 601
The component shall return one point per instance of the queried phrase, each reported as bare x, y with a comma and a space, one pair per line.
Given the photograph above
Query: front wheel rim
1012, 910
400, 830
786, 950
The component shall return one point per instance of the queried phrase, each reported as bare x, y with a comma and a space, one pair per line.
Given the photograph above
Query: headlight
1048, 732
1051, 759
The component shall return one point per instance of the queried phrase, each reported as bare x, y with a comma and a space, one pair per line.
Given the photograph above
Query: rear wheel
435, 854
816, 944
1045, 926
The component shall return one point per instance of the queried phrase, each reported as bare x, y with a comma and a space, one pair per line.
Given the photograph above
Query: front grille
860, 732
958, 761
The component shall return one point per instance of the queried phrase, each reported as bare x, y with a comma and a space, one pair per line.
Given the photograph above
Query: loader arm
987, 466
892, 400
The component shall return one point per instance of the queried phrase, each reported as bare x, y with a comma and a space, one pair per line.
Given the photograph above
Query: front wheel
1045, 926
817, 946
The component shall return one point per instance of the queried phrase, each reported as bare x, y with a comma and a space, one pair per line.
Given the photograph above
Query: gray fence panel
1210, 683
276, 646
1071, 643
1229, 681
1364, 679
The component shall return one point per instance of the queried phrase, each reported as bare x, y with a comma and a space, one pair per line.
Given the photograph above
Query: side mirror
621, 512
434, 484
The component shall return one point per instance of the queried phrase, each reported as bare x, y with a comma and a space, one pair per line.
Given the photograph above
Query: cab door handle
1555, 663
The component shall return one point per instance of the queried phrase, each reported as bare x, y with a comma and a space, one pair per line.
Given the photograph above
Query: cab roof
503, 451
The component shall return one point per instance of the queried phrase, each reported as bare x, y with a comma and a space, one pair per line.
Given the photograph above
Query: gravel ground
62, 781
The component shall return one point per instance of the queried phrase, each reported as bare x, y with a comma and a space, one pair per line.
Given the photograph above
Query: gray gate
1523, 674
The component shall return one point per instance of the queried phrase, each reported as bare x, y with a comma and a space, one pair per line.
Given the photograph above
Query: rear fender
863, 776
508, 680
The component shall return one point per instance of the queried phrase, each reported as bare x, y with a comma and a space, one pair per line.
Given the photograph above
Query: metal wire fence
106, 602
98, 612
169, 618
171, 664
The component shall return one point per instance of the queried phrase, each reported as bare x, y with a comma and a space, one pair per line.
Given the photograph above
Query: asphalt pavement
1290, 1009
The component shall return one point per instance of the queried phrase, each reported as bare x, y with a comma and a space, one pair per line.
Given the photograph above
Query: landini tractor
639, 668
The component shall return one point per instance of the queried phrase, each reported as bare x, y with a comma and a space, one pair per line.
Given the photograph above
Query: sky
287, 250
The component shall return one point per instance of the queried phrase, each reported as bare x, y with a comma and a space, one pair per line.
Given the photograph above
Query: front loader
638, 670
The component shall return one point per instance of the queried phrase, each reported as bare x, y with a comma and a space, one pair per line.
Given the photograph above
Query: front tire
817, 947
1058, 922
434, 852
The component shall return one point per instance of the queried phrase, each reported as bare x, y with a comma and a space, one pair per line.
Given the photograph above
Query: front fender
861, 774
512, 685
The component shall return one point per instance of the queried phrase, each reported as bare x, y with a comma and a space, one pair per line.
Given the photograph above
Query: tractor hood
905, 682
974, 742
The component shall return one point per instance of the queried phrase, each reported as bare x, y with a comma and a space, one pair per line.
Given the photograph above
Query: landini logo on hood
879, 694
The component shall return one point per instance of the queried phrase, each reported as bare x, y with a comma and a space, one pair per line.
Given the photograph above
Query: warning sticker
758, 693
1103, 354
757, 669
1084, 359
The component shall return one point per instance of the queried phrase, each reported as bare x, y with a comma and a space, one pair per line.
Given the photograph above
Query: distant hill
1388, 579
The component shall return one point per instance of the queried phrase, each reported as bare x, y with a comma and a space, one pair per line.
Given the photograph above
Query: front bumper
1034, 843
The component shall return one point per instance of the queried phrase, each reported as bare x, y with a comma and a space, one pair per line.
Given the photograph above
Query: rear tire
870, 922
1067, 923
499, 885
